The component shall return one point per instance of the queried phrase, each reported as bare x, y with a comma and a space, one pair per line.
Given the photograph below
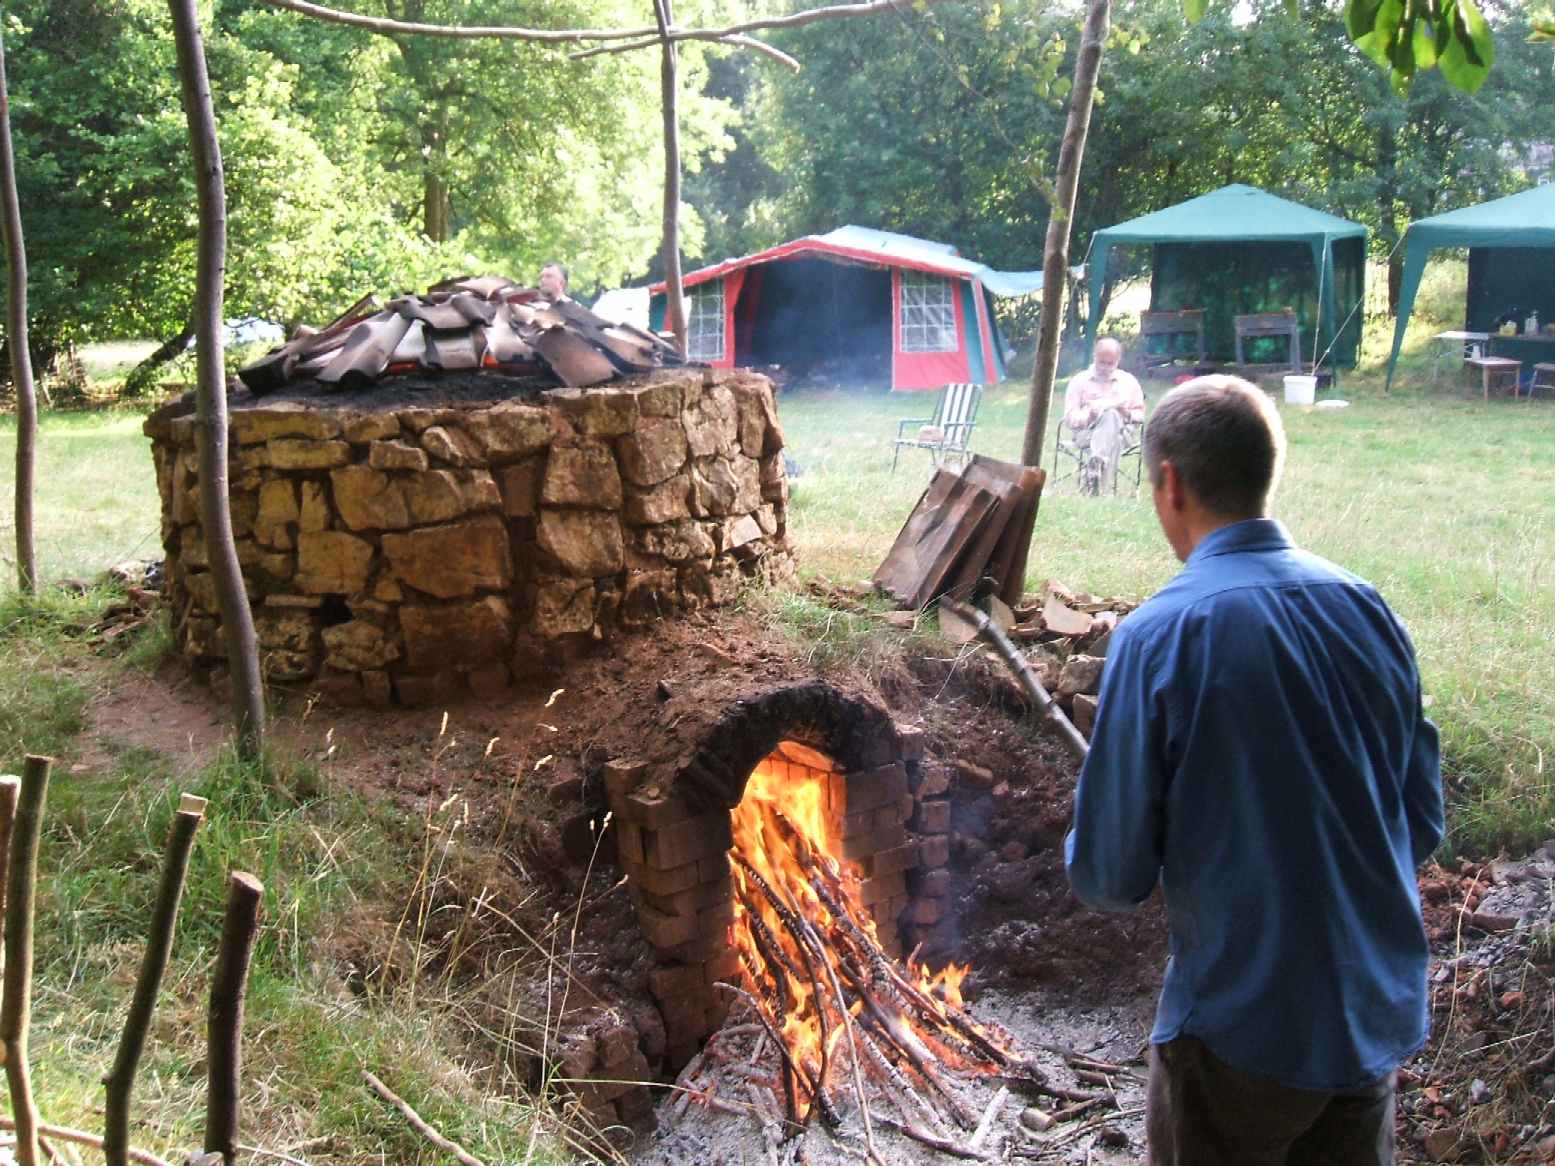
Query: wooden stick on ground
83, 1138
224, 1035
10, 792
16, 1009
159, 947
419, 1124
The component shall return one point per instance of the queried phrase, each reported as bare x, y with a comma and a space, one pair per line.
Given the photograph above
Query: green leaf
1194, 10
1469, 52
1424, 43
1543, 30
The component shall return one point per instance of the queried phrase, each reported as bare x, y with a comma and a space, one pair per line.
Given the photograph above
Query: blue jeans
1201, 1112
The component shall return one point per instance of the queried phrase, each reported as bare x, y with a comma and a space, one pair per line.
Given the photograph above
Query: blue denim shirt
1261, 749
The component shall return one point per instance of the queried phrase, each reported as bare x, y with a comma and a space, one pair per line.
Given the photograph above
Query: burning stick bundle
839, 1010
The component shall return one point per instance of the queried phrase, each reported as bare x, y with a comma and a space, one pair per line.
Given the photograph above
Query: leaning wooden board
947, 516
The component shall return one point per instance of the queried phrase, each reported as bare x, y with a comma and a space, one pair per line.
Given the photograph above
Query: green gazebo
1240, 250
1511, 244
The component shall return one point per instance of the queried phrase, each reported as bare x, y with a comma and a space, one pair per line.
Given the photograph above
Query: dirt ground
511, 786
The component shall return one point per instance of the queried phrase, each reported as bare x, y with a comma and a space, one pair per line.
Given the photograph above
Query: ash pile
469, 324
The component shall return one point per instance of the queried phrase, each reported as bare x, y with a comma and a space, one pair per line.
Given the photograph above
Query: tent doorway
816, 317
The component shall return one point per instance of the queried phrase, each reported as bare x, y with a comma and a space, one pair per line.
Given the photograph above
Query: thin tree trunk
21, 357
248, 697
674, 292
1055, 258
21, 898
159, 947
224, 1027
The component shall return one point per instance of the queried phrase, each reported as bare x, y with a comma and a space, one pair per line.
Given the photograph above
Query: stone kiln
400, 551
885, 817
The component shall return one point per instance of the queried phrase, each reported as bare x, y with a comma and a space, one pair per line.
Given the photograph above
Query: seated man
553, 283
1104, 408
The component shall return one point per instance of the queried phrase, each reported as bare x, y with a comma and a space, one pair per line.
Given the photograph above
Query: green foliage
1410, 36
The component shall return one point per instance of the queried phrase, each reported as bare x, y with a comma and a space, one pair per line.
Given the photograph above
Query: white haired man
1104, 408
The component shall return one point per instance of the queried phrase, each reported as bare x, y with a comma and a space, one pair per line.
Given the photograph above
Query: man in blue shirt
1260, 749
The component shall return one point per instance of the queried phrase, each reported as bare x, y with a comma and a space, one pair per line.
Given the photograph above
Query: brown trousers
1201, 1112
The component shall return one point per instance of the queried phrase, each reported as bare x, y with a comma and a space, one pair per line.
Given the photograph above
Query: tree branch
744, 42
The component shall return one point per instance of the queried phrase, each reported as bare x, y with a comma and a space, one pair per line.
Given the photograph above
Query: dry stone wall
401, 553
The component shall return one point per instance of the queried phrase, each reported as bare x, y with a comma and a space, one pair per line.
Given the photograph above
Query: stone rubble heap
393, 555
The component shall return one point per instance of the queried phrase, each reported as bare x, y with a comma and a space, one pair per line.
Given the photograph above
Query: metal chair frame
1065, 448
955, 416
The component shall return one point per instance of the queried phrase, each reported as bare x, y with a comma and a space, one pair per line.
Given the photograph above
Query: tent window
928, 317
705, 325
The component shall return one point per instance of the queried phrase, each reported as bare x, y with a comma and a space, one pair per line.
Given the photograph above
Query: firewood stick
21, 898
980, 1135
83, 1138
419, 1124
934, 1143
224, 1025
159, 948
782, 1049
899, 1080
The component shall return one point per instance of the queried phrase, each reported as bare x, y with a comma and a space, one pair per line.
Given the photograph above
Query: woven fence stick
16, 1008
224, 1037
159, 948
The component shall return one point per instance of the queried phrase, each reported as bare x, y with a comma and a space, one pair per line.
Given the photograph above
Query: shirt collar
1251, 534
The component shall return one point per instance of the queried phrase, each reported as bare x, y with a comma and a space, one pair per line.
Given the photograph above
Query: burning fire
813, 965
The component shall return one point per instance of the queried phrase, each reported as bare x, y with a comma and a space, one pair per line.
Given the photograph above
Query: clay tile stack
466, 324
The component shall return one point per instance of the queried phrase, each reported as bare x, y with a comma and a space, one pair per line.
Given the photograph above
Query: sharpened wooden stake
224, 1038
159, 948
21, 896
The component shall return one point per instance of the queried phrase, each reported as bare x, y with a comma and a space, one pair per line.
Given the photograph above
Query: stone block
582, 474
357, 646
733, 533
933, 817
621, 775
656, 450
451, 445
508, 431
910, 741
666, 502
376, 689
443, 495
688, 840
712, 584
313, 510
1080, 674
753, 403
587, 543
295, 453
597, 412
277, 508
712, 425
519, 485
678, 542
361, 427
287, 629
721, 487
563, 607
1083, 712
460, 635
649, 594
368, 499
934, 850
933, 780
286, 419
417, 419
660, 399
453, 560
331, 562
396, 455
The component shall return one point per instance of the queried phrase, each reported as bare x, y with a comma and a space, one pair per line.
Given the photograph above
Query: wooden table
1496, 368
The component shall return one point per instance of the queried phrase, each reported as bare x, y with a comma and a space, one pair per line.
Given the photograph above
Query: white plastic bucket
1300, 390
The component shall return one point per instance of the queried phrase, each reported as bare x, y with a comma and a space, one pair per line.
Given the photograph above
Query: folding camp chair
1071, 460
948, 433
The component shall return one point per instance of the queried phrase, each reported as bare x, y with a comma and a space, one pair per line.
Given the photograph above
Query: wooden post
674, 292
21, 879
237, 620
1055, 257
159, 947
224, 1036
21, 357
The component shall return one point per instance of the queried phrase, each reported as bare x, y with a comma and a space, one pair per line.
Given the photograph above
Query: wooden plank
961, 517
995, 477
1009, 558
900, 570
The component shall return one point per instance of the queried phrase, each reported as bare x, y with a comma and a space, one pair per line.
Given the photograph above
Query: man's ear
1172, 492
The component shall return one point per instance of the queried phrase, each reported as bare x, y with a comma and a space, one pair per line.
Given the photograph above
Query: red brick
910, 739
671, 981
712, 869
716, 918
725, 966
934, 850
930, 882
805, 756
932, 818
884, 887
925, 912
685, 1016
699, 837
670, 881
870, 789
699, 949
629, 841
879, 749
621, 776
616, 1045
664, 930
654, 811
693, 899
899, 858
933, 781
864, 846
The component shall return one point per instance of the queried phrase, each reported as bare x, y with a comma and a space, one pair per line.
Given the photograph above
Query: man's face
1105, 361
553, 285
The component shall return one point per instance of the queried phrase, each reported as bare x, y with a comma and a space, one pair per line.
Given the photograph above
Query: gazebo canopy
1241, 250
1511, 244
